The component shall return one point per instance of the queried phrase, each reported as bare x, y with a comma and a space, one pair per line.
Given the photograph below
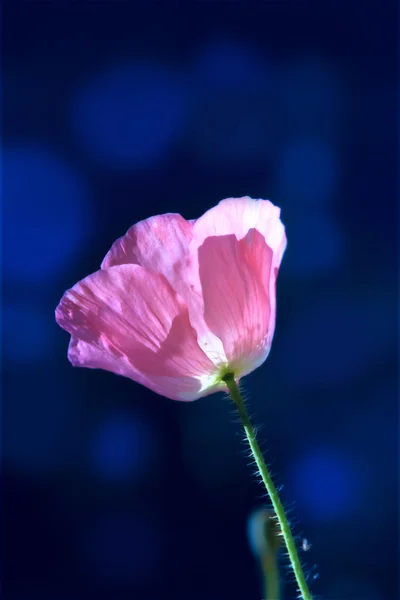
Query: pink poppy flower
178, 304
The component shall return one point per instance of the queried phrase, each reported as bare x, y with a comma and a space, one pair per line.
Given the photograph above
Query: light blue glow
28, 333
129, 115
311, 98
323, 482
122, 448
231, 104
307, 173
228, 62
316, 244
46, 213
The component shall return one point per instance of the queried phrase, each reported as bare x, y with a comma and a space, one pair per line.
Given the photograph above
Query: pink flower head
177, 304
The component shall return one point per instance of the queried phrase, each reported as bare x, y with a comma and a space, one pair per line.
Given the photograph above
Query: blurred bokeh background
116, 111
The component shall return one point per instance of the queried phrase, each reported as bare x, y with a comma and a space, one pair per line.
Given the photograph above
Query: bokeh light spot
316, 245
307, 173
232, 95
123, 448
46, 216
226, 62
129, 115
323, 482
311, 98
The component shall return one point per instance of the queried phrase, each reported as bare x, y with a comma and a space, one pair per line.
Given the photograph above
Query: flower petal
239, 305
238, 216
132, 322
161, 244
86, 354
231, 216
157, 244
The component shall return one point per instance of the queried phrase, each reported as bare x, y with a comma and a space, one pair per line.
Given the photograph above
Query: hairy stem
269, 484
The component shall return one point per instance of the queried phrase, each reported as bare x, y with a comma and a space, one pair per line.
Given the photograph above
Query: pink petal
161, 244
233, 216
85, 354
132, 322
168, 244
239, 304
238, 216
157, 244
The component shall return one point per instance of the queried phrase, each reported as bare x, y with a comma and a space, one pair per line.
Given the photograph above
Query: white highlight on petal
212, 346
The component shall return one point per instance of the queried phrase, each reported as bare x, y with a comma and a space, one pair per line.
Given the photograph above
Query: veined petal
235, 216
132, 322
91, 356
151, 318
160, 244
157, 244
238, 216
235, 278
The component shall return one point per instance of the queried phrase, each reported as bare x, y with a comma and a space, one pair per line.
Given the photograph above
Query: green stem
269, 484
271, 576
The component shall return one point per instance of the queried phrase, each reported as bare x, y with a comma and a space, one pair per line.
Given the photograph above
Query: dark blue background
113, 112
